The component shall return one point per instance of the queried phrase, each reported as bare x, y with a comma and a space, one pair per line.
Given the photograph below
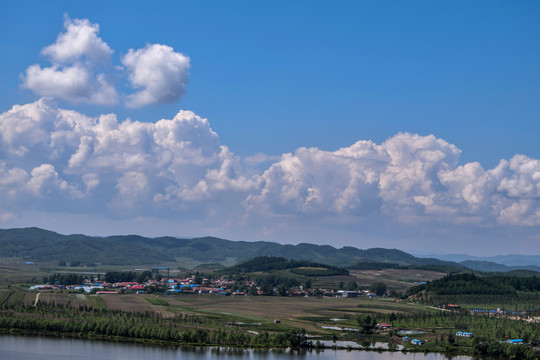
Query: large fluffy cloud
74, 83
410, 178
80, 40
159, 71
74, 75
53, 158
81, 70
131, 166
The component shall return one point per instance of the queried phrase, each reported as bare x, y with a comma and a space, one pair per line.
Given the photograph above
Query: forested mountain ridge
35, 244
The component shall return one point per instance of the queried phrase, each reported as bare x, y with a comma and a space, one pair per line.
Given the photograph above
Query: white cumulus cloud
74, 83
129, 165
79, 41
57, 159
73, 75
409, 177
159, 72
81, 70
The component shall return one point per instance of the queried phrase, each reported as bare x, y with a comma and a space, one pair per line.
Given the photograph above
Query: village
196, 285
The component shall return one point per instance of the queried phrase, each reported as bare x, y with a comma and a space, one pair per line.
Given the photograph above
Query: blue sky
449, 89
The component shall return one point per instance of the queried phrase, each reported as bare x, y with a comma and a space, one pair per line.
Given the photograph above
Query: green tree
392, 317
378, 288
366, 323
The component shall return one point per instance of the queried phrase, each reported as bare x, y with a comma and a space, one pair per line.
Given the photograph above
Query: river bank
48, 348
244, 323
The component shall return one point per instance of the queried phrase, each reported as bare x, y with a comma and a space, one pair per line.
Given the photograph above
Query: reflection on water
362, 345
343, 344
339, 328
43, 348
410, 332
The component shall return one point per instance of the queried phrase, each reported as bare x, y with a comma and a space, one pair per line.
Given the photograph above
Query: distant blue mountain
481, 265
512, 261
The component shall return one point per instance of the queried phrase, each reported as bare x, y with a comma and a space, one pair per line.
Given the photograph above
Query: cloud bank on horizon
54, 159
178, 165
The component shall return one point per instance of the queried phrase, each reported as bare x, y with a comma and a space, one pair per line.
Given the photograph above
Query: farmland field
132, 302
292, 311
396, 279
310, 313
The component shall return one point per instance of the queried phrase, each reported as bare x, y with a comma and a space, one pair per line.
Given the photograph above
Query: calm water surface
43, 348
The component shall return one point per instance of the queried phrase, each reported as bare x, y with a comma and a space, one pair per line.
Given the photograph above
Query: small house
384, 326
465, 334
417, 342
347, 293
515, 341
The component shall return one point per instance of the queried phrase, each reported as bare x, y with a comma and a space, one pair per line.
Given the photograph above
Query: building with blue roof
515, 341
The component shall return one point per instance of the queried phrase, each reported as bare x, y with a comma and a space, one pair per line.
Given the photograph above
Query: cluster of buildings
495, 312
450, 307
192, 285
352, 293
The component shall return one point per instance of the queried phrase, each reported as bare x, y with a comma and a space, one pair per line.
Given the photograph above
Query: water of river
45, 348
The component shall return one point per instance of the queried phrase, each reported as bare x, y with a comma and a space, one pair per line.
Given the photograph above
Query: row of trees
127, 276
111, 277
65, 279
90, 322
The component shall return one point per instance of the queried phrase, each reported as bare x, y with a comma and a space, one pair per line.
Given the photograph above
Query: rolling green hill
38, 245
299, 267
